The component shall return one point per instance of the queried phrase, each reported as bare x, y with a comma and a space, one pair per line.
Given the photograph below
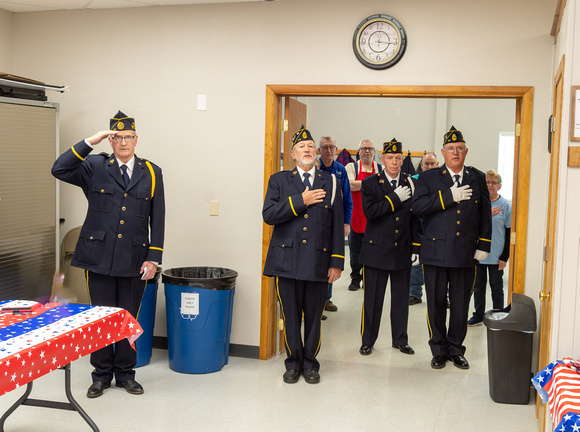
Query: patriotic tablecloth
559, 386
54, 335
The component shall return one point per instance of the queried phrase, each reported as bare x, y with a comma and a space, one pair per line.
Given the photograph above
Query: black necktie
394, 183
125, 175
457, 179
306, 181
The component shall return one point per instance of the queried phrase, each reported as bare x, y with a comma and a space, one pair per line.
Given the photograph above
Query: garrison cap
301, 134
122, 122
393, 146
453, 136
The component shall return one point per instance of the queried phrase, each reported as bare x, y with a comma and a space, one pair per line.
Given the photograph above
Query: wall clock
379, 41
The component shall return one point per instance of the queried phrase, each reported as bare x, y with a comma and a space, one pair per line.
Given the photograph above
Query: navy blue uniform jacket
115, 237
452, 231
393, 231
306, 240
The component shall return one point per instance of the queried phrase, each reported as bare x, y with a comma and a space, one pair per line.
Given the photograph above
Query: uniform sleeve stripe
76, 154
441, 199
416, 244
156, 248
391, 202
292, 207
482, 239
337, 256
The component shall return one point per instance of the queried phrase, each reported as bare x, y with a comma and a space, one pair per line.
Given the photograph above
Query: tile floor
386, 391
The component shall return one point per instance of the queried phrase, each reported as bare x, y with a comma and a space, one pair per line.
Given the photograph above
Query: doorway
523, 97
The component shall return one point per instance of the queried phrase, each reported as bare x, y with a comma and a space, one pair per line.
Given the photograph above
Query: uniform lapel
115, 171
385, 183
296, 180
468, 176
319, 181
138, 171
445, 176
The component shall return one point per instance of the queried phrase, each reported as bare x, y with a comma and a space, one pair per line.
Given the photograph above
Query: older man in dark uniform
454, 203
391, 242
121, 241
306, 251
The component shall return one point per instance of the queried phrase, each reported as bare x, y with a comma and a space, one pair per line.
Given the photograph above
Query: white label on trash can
189, 305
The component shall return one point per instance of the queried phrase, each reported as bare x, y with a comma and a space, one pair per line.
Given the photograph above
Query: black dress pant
118, 359
296, 297
375, 285
460, 281
354, 245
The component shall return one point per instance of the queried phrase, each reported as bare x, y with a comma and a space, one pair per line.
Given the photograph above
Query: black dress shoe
96, 389
131, 386
311, 376
414, 300
438, 361
354, 286
405, 349
291, 376
459, 361
365, 350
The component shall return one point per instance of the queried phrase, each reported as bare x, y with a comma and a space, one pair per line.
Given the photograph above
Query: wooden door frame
523, 144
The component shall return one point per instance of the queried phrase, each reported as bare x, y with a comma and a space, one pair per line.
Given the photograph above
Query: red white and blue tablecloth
53, 335
559, 386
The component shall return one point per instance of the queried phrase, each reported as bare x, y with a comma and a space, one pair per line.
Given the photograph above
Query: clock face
379, 41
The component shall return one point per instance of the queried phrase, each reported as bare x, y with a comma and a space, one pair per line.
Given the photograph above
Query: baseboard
236, 350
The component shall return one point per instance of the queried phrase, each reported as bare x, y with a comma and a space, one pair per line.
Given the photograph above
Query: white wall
152, 62
6, 41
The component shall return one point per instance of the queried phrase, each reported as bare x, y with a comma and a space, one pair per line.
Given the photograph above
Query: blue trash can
199, 303
146, 318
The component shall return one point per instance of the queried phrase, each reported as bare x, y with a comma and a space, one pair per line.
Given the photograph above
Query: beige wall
153, 62
6, 42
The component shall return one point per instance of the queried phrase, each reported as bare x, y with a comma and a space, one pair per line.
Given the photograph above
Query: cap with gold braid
122, 122
393, 146
453, 136
301, 134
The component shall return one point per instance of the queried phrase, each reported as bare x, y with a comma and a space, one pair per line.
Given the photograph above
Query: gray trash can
510, 334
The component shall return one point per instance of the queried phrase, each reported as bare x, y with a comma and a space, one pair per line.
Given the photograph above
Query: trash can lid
217, 278
520, 315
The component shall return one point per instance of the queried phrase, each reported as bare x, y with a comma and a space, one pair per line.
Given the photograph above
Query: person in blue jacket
306, 251
121, 240
453, 201
327, 147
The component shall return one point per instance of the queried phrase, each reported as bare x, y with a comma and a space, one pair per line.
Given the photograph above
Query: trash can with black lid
199, 304
510, 334
146, 318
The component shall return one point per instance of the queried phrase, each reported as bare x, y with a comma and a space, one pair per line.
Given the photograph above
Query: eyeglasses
366, 149
451, 149
492, 183
128, 139
327, 148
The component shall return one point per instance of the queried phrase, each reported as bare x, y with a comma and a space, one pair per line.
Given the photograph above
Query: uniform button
143, 244
458, 222
102, 190
396, 231
304, 241
458, 211
91, 237
433, 238
475, 201
458, 234
120, 236
126, 195
304, 229
305, 216
326, 206
396, 244
324, 249
124, 208
397, 218
370, 241
122, 222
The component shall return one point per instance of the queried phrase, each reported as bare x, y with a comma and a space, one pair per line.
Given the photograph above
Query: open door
550, 246
275, 94
295, 116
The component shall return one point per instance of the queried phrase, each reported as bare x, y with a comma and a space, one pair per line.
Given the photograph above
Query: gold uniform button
396, 231
305, 216
126, 195
102, 190
396, 244
304, 241
326, 206
458, 234
304, 229
144, 245
458, 211
122, 222
91, 237
120, 236
124, 208
397, 218
324, 250
458, 222
370, 241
